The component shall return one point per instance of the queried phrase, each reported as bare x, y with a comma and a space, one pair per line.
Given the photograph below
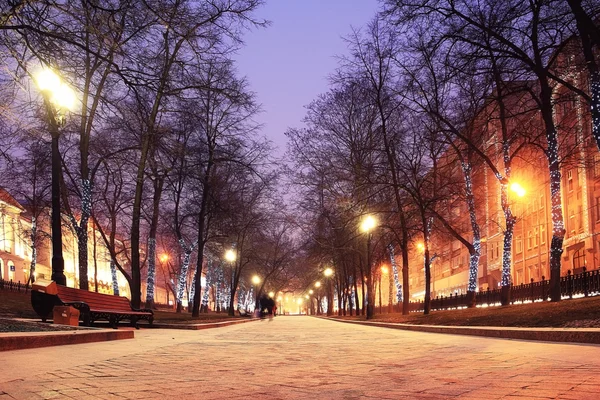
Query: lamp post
328, 273
58, 99
318, 286
311, 293
162, 260
383, 270
255, 282
367, 226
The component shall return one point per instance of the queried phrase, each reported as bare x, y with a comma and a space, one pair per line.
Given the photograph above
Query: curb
208, 325
563, 335
30, 340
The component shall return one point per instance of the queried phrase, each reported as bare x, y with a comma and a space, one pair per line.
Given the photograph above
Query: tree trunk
151, 275
558, 226
113, 275
474, 254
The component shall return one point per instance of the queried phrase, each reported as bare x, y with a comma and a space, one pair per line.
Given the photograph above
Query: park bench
242, 312
92, 306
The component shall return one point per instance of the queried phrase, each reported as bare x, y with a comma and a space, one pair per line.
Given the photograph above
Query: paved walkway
302, 358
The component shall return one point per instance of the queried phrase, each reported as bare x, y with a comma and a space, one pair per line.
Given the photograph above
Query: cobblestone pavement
302, 358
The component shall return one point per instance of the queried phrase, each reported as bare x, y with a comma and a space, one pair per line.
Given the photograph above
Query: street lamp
383, 270
318, 286
328, 273
518, 189
230, 256
255, 282
58, 99
367, 225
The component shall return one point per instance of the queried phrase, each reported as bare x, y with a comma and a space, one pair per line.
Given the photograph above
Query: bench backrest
96, 301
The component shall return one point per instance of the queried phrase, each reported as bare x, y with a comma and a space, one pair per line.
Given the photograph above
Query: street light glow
164, 257
256, 279
420, 246
368, 223
311, 291
317, 284
299, 301
59, 93
518, 189
230, 255
271, 294
328, 272
384, 269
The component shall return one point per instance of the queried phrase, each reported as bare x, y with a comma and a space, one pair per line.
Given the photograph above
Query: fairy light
151, 270
209, 279
193, 288
474, 257
395, 270
595, 106
33, 238
181, 281
113, 275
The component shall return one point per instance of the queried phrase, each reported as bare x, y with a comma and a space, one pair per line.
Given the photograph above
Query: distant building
580, 187
16, 253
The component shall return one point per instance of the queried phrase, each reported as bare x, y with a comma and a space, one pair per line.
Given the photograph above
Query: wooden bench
242, 312
91, 305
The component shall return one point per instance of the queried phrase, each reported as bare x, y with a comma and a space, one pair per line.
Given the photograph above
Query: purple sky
287, 63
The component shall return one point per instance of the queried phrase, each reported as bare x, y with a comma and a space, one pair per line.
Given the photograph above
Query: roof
5, 197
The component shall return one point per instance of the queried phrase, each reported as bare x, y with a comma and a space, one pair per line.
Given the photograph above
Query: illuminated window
578, 259
543, 234
570, 180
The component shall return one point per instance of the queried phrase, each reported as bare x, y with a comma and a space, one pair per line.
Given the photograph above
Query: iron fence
14, 286
584, 284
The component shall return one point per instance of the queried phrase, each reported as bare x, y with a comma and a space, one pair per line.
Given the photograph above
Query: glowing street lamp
256, 279
367, 225
383, 270
59, 98
317, 284
271, 294
230, 255
311, 291
518, 189
164, 258
328, 272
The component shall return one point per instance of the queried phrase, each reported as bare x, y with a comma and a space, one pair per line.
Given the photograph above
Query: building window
542, 203
596, 165
519, 244
529, 240
580, 219
572, 220
578, 260
536, 237
597, 208
543, 234
570, 180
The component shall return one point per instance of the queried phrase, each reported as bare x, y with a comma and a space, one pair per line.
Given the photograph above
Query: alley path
302, 358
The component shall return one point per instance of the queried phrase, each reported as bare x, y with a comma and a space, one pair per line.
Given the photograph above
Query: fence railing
585, 284
14, 286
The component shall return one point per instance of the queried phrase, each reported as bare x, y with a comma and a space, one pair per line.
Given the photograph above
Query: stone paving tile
304, 358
